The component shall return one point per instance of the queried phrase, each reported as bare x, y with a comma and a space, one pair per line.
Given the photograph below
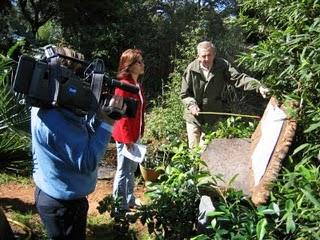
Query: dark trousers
63, 219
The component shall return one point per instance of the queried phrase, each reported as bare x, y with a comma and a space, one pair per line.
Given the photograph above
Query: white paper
136, 152
271, 125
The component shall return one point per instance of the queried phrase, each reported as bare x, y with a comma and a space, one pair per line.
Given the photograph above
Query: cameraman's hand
117, 102
113, 111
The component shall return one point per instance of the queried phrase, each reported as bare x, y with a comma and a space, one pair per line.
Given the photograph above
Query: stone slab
230, 157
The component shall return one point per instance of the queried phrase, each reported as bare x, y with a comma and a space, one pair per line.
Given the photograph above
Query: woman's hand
129, 146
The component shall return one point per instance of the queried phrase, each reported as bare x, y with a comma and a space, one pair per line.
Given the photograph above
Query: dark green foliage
36, 13
14, 122
288, 59
105, 29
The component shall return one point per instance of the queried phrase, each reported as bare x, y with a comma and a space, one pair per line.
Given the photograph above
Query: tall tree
36, 12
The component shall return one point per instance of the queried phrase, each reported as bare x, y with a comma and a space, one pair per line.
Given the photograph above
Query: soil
17, 197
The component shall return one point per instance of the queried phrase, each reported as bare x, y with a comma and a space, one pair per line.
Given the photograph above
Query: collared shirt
205, 71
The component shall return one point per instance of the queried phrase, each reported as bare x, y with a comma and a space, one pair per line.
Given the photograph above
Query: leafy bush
173, 202
232, 127
293, 211
14, 121
297, 192
287, 57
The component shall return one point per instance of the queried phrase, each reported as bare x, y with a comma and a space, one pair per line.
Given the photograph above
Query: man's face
206, 57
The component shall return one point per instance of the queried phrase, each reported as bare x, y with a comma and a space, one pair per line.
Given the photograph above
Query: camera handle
97, 68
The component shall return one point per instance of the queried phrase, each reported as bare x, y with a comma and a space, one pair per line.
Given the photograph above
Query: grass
7, 178
99, 227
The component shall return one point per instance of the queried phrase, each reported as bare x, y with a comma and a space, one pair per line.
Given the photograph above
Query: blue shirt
66, 152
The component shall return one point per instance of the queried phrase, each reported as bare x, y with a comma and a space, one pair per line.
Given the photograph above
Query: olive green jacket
195, 89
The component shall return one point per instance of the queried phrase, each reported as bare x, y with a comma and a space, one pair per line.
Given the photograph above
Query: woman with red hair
128, 130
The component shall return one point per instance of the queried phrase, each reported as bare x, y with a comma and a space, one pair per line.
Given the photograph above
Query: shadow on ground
17, 205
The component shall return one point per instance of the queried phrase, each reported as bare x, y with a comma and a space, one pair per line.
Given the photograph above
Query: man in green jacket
202, 84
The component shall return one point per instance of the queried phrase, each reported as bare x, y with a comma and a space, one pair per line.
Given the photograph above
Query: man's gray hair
206, 45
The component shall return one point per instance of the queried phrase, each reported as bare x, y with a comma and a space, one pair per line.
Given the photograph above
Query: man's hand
264, 91
118, 109
194, 109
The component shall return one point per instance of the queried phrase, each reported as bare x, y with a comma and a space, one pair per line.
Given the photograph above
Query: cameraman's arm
94, 147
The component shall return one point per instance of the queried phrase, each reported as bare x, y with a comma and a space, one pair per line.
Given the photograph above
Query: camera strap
55, 74
96, 84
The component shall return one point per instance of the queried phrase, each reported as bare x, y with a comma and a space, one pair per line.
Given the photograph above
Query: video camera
48, 83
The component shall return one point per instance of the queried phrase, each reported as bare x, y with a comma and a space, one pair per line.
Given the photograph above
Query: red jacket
129, 130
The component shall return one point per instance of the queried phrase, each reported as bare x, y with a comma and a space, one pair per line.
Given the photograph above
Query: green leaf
311, 198
276, 208
300, 148
261, 228
290, 224
215, 213
289, 205
312, 127
214, 223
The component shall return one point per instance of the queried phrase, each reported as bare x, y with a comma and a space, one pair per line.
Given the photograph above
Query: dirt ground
20, 196
16, 197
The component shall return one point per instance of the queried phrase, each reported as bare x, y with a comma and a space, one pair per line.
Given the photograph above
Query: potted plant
154, 162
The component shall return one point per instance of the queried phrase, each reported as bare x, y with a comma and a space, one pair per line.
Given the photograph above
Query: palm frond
14, 122
13, 115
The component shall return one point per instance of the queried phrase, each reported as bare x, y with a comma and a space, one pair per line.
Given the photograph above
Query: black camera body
46, 83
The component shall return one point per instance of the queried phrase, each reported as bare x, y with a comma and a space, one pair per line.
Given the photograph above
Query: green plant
235, 217
232, 127
288, 59
173, 202
109, 204
293, 212
6, 178
14, 121
297, 192
159, 156
156, 159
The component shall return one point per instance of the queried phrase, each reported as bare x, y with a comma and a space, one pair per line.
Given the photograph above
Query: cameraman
66, 150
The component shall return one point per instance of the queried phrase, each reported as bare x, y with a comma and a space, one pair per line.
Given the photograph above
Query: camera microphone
124, 86
97, 67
